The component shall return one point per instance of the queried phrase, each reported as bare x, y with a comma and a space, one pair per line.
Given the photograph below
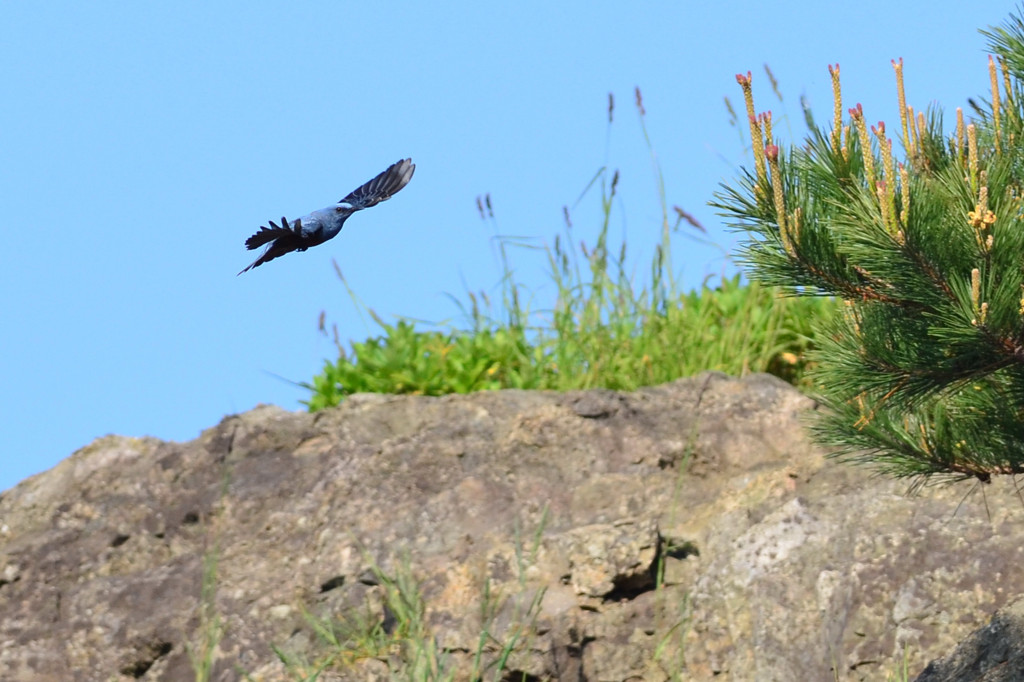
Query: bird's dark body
319, 226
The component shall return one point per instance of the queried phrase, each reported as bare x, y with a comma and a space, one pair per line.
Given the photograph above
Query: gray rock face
687, 531
995, 653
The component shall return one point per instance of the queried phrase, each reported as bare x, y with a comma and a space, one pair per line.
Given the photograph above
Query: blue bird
319, 226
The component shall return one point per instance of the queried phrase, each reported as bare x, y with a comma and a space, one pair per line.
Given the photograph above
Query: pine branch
923, 376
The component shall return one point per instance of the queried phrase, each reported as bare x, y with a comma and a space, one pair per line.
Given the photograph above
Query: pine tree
922, 374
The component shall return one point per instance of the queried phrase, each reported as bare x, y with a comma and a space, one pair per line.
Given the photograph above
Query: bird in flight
319, 226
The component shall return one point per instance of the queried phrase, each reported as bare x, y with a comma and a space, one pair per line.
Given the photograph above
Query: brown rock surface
687, 531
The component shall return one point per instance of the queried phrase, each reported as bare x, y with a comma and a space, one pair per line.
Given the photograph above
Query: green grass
734, 327
603, 329
202, 647
202, 650
406, 647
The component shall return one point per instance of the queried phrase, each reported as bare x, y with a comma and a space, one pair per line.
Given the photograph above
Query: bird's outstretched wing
382, 187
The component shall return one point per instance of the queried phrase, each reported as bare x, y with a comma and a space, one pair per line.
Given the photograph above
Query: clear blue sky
143, 142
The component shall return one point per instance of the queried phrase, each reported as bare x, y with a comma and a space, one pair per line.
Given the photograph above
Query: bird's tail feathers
269, 234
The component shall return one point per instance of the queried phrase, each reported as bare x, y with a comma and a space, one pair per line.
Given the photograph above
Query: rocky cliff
687, 531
